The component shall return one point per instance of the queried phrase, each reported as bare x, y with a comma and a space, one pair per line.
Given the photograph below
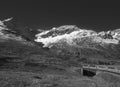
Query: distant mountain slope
71, 41
67, 43
16, 47
69, 33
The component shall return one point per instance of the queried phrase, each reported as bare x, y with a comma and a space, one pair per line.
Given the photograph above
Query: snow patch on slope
3, 32
7, 34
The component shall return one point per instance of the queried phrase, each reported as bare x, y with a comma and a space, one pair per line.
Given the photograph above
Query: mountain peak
69, 33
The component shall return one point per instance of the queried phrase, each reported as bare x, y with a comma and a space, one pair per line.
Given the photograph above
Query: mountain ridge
71, 41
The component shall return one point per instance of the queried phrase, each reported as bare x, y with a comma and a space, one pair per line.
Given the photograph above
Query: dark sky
46, 14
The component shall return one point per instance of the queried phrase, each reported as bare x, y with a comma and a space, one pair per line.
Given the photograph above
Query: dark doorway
88, 73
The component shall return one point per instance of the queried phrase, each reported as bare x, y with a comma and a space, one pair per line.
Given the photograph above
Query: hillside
53, 58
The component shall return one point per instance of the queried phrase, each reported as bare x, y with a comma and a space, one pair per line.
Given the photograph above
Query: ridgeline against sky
96, 15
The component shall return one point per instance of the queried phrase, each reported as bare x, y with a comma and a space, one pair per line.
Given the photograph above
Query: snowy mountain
69, 33
74, 42
67, 42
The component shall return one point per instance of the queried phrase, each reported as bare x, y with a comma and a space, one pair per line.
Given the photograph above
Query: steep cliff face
74, 42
